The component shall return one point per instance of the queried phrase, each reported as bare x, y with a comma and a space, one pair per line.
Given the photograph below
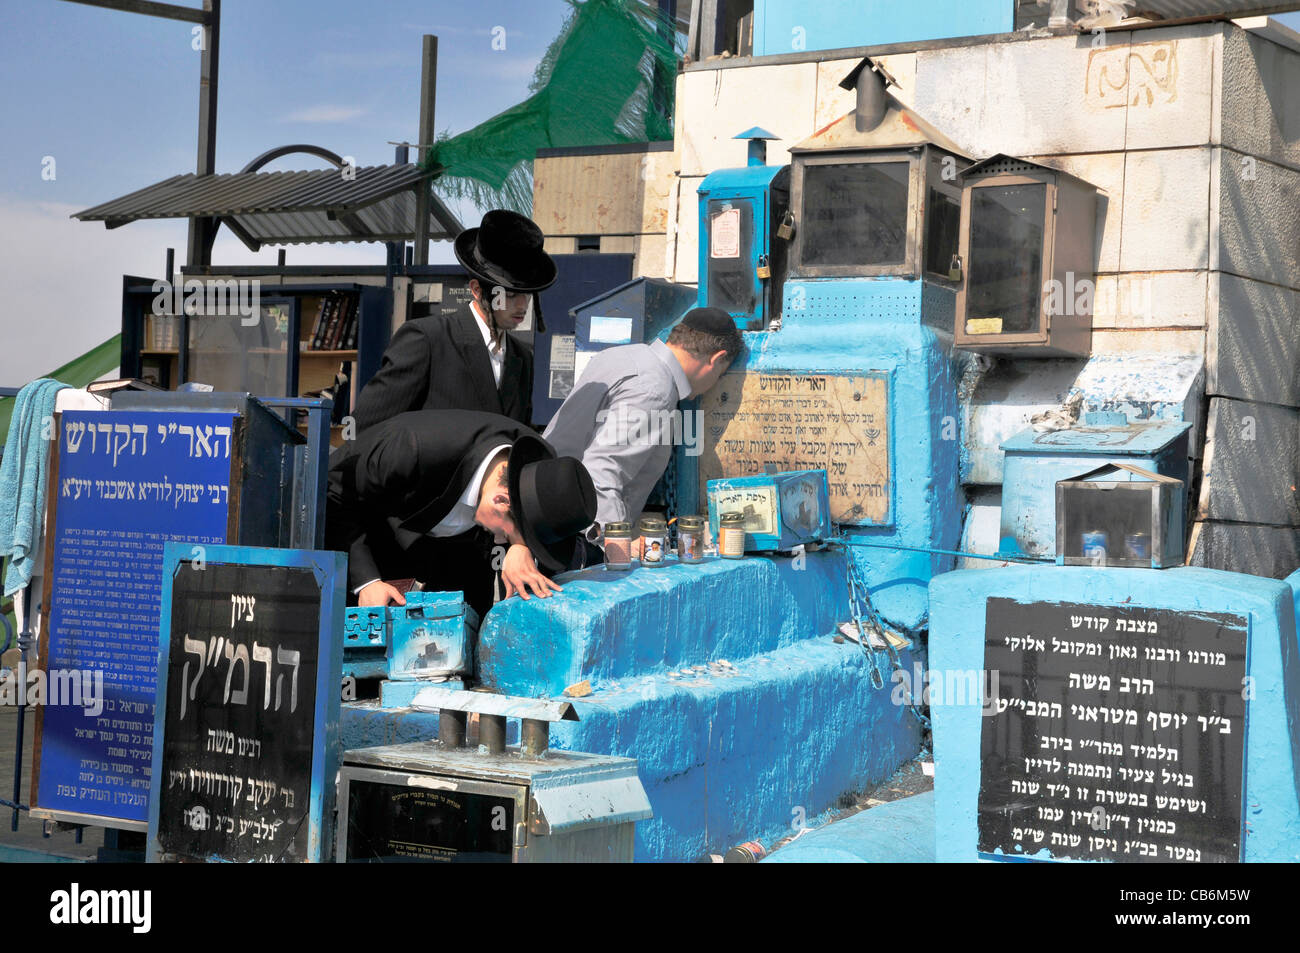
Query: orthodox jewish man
426, 495
468, 361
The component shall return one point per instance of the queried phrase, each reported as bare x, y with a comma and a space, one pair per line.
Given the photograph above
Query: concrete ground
908, 780
14, 845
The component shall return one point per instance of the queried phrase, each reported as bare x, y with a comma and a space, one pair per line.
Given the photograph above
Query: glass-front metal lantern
877, 192
876, 212
1027, 238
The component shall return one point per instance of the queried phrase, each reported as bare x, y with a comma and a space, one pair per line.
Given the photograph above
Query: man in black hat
468, 361
621, 417
426, 494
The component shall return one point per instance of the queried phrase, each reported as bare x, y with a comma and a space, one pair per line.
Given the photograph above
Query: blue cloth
23, 474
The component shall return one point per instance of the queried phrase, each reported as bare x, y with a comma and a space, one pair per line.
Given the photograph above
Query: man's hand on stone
519, 572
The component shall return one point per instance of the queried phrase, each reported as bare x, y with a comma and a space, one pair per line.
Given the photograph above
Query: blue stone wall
721, 678
1272, 813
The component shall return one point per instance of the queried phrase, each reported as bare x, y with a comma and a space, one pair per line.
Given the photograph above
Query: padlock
764, 271
954, 268
785, 231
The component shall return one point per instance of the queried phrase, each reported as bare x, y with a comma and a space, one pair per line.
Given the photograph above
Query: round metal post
492, 733
535, 736
451, 728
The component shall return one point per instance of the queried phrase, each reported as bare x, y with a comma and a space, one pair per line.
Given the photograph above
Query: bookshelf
307, 338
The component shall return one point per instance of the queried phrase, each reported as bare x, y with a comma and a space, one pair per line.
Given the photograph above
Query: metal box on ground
442, 802
1120, 515
782, 510
1035, 462
429, 636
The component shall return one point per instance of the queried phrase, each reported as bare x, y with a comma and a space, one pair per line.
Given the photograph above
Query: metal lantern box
440, 801
428, 636
782, 510
1120, 515
1034, 462
1027, 237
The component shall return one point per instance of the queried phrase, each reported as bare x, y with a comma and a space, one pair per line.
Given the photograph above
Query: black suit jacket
397, 481
441, 363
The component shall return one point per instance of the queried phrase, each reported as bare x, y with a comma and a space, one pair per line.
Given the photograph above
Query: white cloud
326, 114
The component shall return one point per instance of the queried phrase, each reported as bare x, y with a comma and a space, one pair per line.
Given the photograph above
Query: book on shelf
346, 321
316, 325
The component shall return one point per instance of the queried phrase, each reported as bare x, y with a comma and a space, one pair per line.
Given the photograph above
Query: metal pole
492, 733
451, 728
25, 639
203, 230
535, 737
428, 93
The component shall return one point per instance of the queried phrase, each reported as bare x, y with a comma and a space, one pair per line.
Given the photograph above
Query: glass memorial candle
654, 540
731, 535
690, 539
618, 546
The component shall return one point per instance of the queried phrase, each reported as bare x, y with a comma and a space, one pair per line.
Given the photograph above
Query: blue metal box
428, 636
782, 510
1035, 462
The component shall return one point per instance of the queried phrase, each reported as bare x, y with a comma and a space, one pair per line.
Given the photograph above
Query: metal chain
860, 606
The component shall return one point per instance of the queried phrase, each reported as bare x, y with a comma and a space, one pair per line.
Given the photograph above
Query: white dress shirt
461, 516
496, 349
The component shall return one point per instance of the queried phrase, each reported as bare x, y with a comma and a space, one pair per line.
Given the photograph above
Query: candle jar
618, 546
731, 535
654, 540
690, 539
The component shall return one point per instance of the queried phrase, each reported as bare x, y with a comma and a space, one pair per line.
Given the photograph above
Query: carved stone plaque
805, 420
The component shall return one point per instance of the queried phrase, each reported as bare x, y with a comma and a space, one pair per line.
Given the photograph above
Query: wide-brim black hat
506, 250
553, 499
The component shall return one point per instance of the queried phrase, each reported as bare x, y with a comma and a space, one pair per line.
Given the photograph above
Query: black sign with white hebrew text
1118, 733
235, 777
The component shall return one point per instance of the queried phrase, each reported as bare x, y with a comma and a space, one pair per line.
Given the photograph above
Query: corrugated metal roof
277, 208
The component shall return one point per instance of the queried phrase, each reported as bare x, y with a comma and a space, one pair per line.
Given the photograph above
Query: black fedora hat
506, 250
553, 499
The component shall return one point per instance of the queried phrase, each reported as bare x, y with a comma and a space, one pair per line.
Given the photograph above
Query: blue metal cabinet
1035, 462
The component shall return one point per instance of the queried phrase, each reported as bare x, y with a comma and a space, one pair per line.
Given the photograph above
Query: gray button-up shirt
620, 420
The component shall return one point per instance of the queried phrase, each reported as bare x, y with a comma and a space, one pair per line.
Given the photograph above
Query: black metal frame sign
246, 734
1118, 733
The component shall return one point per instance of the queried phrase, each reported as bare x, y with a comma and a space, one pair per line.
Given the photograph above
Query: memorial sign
121, 484
1117, 733
245, 747
758, 422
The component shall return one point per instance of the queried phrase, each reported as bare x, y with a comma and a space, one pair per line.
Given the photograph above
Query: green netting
606, 79
78, 372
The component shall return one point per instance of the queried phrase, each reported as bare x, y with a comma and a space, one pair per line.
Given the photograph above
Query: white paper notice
725, 232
